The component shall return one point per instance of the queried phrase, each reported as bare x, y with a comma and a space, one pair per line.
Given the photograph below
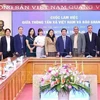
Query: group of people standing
76, 45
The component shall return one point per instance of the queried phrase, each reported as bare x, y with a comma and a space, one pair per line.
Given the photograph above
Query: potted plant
62, 80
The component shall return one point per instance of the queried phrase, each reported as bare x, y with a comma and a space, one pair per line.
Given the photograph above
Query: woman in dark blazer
98, 44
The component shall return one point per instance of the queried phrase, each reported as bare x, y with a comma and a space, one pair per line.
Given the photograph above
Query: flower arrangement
64, 78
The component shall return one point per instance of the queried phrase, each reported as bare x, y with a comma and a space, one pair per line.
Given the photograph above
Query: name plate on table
91, 80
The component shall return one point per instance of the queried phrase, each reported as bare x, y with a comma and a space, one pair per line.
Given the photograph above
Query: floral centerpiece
63, 78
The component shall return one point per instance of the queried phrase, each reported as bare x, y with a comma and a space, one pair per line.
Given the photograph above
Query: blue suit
60, 46
18, 46
91, 45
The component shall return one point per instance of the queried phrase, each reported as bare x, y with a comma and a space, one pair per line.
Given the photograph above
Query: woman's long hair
48, 35
30, 31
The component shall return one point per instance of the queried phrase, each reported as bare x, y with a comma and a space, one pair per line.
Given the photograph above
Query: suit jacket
60, 45
50, 46
98, 46
4, 45
80, 42
98, 43
17, 44
91, 46
0, 44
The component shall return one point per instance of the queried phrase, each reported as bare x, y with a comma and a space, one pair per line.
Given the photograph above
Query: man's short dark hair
7, 29
63, 29
20, 27
76, 27
89, 26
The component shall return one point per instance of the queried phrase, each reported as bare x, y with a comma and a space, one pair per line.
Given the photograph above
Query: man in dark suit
64, 44
20, 42
98, 44
2, 33
91, 42
7, 44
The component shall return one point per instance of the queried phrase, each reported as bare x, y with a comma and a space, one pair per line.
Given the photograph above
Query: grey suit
80, 43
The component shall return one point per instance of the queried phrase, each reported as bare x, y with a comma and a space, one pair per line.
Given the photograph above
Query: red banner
33, 7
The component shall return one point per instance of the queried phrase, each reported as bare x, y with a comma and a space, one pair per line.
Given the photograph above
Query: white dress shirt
8, 43
0, 37
75, 41
90, 36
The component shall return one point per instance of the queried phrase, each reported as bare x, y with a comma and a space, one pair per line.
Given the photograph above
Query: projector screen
55, 20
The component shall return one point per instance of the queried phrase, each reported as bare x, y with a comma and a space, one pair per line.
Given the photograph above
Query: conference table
17, 77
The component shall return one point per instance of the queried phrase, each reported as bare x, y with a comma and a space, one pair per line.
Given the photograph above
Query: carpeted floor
99, 92
26, 93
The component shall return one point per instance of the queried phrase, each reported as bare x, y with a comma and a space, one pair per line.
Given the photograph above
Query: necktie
64, 39
22, 41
